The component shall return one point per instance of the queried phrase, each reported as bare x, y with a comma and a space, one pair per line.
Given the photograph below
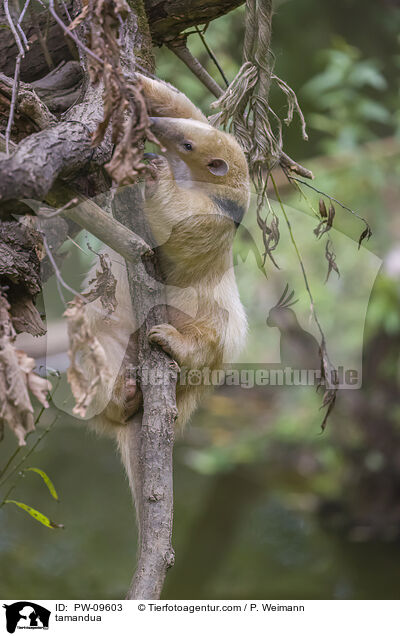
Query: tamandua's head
212, 157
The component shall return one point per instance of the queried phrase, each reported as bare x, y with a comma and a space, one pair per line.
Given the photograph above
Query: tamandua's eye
187, 145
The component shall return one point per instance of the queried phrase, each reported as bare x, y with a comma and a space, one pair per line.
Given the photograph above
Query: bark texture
31, 170
149, 443
20, 275
167, 19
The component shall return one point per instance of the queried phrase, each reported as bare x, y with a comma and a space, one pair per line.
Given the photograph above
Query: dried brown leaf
85, 347
331, 258
16, 410
39, 387
366, 234
319, 230
322, 209
331, 216
104, 286
329, 379
328, 401
270, 235
124, 107
326, 223
16, 377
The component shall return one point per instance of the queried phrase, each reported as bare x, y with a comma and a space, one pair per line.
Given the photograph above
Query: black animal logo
27, 615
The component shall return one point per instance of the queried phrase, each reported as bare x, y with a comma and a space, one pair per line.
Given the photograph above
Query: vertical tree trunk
149, 443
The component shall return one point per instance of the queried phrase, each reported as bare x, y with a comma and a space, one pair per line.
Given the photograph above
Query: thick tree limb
61, 88
149, 444
89, 216
28, 102
62, 149
40, 158
61, 78
167, 19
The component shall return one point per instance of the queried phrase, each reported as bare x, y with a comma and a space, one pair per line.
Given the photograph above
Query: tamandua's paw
158, 161
159, 168
168, 338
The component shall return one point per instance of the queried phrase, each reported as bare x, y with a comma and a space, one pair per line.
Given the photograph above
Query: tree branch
149, 445
40, 158
181, 50
29, 104
61, 149
167, 19
117, 236
60, 88
89, 216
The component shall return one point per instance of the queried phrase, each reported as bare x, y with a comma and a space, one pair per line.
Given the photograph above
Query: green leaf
35, 514
46, 480
373, 111
366, 73
323, 82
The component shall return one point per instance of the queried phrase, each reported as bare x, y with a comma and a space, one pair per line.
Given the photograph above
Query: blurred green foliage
342, 92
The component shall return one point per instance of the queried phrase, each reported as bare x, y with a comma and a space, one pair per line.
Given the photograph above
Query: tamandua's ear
219, 167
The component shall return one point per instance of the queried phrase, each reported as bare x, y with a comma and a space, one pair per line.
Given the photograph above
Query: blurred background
265, 505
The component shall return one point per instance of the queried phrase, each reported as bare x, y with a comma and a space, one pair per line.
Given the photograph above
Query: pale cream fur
207, 320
